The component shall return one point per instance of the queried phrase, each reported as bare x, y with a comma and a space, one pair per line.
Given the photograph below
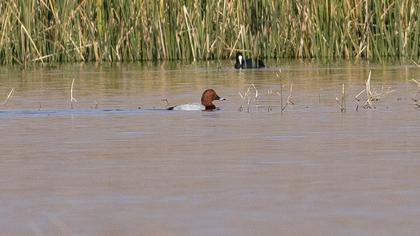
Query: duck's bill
220, 98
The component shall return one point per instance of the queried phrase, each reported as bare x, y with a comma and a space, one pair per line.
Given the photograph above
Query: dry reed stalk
417, 82
415, 63
245, 97
29, 37
186, 16
269, 94
58, 53
289, 98
256, 96
360, 93
281, 97
415, 100
72, 99
371, 95
12, 91
342, 101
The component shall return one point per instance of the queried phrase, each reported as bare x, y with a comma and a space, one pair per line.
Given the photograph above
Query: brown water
309, 170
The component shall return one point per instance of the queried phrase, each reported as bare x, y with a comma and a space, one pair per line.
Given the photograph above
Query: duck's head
239, 60
209, 95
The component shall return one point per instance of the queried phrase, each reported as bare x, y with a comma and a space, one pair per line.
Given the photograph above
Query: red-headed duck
209, 95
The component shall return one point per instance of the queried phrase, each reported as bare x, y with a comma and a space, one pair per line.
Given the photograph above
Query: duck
242, 63
207, 98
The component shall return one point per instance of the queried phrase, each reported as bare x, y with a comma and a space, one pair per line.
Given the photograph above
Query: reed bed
131, 30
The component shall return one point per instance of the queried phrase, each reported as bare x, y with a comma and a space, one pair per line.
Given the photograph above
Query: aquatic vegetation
70, 31
245, 96
266, 101
372, 95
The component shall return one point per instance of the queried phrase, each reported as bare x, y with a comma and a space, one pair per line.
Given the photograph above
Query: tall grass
130, 30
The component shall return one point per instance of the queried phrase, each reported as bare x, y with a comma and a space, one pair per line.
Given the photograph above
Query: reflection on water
109, 168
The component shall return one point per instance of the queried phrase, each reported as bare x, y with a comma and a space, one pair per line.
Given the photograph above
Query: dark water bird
209, 95
243, 63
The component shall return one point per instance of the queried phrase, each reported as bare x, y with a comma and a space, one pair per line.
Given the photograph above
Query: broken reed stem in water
248, 98
244, 97
12, 91
256, 96
342, 101
281, 97
414, 98
417, 82
269, 94
360, 93
289, 98
415, 63
72, 99
369, 94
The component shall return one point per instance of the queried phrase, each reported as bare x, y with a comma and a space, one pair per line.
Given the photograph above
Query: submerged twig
12, 91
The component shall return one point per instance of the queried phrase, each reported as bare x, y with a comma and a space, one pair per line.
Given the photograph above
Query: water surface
107, 167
